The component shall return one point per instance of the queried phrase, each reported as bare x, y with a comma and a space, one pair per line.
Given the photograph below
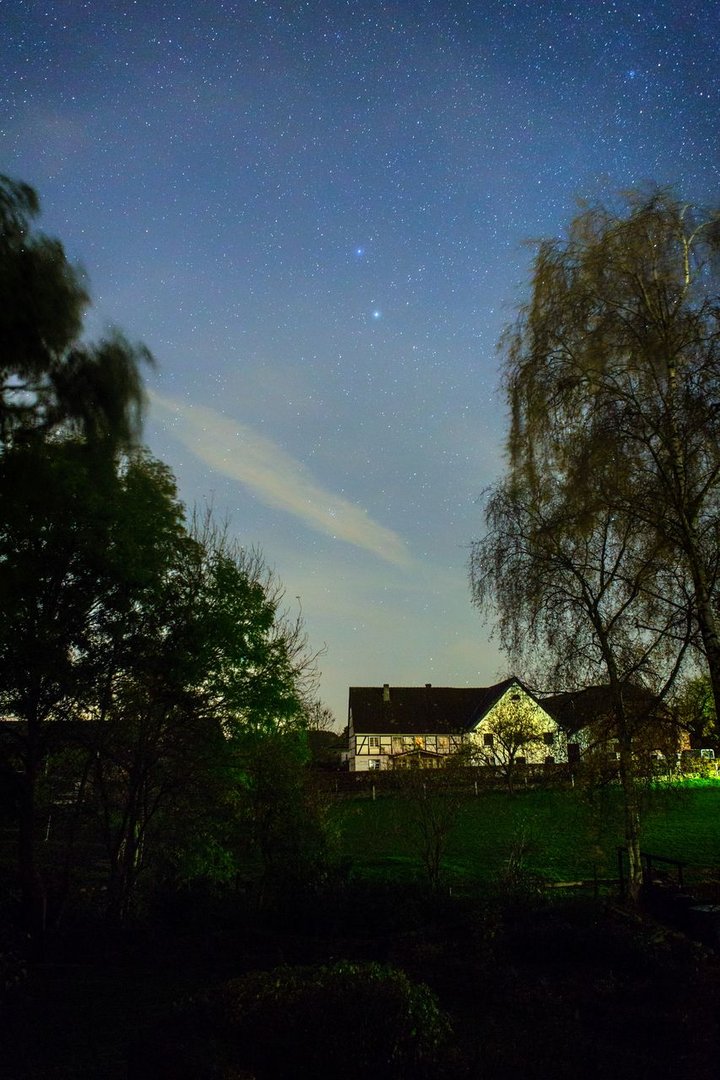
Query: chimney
386, 691
428, 686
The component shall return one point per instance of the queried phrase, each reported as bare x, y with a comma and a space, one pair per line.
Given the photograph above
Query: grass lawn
565, 835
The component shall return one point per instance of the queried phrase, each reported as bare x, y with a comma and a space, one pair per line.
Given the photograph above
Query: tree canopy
613, 381
147, 665
158, 655
50, 378
601, 551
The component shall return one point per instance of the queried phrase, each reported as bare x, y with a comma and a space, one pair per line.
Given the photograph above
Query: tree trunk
32, 888
125, 857
706, 617
631, 807
687, 520
631, 810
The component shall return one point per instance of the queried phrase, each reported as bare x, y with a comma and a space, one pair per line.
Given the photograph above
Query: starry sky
315, 215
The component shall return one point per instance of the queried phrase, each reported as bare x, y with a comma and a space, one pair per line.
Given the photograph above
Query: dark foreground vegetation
374, 968
369, 980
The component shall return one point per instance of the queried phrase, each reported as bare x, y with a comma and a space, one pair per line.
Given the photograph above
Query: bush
345, 1020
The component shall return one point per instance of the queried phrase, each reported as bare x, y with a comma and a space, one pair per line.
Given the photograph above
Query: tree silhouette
50, 378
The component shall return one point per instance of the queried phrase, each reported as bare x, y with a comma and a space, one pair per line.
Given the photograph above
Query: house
394, 726
587, 717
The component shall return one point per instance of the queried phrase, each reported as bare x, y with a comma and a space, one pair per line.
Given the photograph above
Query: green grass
565, 835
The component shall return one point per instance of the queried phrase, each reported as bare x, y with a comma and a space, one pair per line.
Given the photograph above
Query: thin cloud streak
276, 478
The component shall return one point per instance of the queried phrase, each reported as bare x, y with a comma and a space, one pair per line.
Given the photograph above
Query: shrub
344, 1020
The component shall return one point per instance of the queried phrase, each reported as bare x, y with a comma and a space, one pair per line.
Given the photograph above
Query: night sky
314, 214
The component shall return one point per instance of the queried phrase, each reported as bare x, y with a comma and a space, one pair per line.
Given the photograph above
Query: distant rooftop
422, 710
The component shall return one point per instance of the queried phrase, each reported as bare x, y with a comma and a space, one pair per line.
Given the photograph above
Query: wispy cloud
276, 478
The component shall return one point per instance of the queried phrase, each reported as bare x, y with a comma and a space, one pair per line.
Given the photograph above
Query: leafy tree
49, 377
586, 600
435, 804
54, 530
139, 661
287, 829
695, 709
78, 547
609, 512
204, 668
517, 729
613, 371
320, 717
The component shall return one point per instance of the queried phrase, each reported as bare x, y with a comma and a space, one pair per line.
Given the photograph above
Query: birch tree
585, 599
613, 369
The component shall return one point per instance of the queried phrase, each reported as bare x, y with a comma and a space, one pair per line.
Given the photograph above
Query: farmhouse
587, 717
390, 727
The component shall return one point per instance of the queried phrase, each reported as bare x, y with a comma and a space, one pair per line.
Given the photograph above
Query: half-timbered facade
389, 727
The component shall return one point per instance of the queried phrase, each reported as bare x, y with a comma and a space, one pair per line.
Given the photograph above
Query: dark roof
575, 709
422, 710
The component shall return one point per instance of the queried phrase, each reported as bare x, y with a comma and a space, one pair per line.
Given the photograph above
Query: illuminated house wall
391, 726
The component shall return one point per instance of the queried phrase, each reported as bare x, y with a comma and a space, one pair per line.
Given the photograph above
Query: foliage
585, 594
286, 820
434, 816
49, 377
516, 887
517, 729
147, 651
344, 1019
612, 374
695, 709
601, 546
147, 666
59, 507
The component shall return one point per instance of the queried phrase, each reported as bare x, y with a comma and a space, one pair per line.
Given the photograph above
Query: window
488, 739
520, 761
550, 760
549, 738
374, 741
374, 763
